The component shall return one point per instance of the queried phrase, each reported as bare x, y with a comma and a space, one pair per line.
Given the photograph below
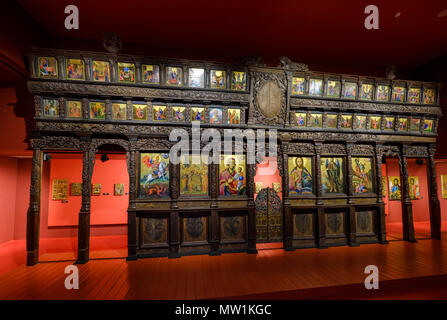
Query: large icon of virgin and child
232, 179
300, 175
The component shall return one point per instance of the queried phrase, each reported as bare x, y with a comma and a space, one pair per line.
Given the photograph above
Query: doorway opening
109, 203
61, 191
441, 177
268, 201
419, 195
391, 186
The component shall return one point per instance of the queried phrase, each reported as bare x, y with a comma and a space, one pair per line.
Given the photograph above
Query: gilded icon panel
74, 109
398, 94
415, 124
444, 186
428, 125
119, 111
118, 189
232, 176
413, 183
193, 176
96, 189
198, 114
402, 124
315, 87
238, 81
316, 120
331, 121
75, 69
50, 108
126, 72
332, 175
384, 187
154, 175
366, 91
375, 122
333, 89
75, 189
394, 186
298, 86
300, 175
300, 119
258, 186
97, 110
429, 96
389, 123
362, 175
217, 79
139, 112
47, 67
150, 73
350, 90
360, 122
196, 77
414, 95
159, 113
178, 114
101, 71
346, 121
60, 189
216, 115
383, 93
174, 76
234, 116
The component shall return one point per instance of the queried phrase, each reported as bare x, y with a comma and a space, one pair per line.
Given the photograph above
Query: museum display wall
333, 132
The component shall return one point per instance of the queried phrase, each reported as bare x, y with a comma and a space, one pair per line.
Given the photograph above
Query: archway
109, 203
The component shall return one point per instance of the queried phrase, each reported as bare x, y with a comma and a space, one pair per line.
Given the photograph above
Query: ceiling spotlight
104, 157
442, 14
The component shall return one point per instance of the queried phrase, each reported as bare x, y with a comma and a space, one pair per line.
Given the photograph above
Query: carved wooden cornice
364, 106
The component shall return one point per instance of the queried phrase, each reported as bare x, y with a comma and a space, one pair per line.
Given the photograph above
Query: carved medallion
303, 224
269, 99
194, 227
334, 223
364, 223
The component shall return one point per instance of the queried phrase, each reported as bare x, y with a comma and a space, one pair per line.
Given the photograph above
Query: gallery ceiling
327, 35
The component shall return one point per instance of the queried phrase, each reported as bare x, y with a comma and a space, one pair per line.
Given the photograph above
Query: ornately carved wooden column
251, 170
131, 210
214, 169
352, 215
174, 241
381, 223
407, 207
321, 219
288, 219
33, 214
88, 162
435, 209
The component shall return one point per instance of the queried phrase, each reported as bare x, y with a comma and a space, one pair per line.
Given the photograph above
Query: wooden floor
228, 275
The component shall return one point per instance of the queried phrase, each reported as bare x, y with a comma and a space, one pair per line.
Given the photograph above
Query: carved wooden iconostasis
333, 132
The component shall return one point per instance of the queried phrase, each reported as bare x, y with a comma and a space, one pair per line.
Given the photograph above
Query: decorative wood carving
269, 92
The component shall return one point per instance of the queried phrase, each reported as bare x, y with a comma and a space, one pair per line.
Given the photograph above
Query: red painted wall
441, 168
105, 209
421, 207
8, 183
267, 173
394, 206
